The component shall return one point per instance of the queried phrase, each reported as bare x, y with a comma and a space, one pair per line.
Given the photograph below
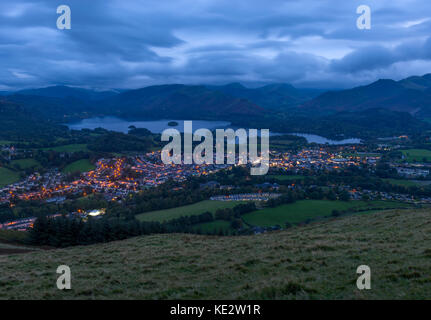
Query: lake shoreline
314, 138
117, 124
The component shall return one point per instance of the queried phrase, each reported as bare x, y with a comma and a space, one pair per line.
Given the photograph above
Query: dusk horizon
313, 45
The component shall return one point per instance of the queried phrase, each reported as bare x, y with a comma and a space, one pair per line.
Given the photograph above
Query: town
117, 177
114, 177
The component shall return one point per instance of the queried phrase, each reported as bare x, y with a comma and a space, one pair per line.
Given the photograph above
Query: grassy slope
190, 210
317, 261
83, 165
304, 209
26, 163
7, 177
408, 183
69, 148
417, 155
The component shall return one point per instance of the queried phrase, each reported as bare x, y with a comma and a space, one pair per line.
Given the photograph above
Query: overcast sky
136, 43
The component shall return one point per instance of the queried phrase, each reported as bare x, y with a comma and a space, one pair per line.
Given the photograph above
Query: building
412, 172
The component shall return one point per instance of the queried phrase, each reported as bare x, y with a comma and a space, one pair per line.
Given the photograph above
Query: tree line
65, 231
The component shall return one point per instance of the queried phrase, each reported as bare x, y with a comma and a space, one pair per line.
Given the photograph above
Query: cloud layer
130, 44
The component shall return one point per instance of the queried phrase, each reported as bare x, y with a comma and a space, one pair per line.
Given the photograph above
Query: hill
50, 108
384, 108
417, 83
274, 96
19, 122
317, 261
58, 103
180, 102
68, 92
370, 123
62, 103
412, 95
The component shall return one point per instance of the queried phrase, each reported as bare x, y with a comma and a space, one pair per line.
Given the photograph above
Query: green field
190, 210
26, 163
8, 176
308, 209
417, 155
83, 165
317, 261
406, 183
69, 148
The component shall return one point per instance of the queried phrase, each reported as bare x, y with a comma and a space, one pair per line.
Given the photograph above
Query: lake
155, 126
312, 138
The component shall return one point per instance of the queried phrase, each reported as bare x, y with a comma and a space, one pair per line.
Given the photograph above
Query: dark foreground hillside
317, 261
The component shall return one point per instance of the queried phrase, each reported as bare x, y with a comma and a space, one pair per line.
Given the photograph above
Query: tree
331, 196
344, 196
335, 213
365, 197
236, 224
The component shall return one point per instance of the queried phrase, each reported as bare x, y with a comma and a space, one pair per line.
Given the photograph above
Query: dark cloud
134, 43
368, 58
378, 57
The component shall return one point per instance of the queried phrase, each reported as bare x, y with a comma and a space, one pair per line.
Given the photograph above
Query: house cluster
411, 172
8, 152
35, 186
151, 171
113, 177
247, 197
389, 196
319, 159
27, 223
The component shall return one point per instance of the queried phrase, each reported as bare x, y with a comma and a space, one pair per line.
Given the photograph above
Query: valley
98, 183
221, 156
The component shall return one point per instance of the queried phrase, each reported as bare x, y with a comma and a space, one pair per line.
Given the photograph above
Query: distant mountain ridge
68, 92
412, 95
181, 102
57, 109
385, 107
162, 101
279, 96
